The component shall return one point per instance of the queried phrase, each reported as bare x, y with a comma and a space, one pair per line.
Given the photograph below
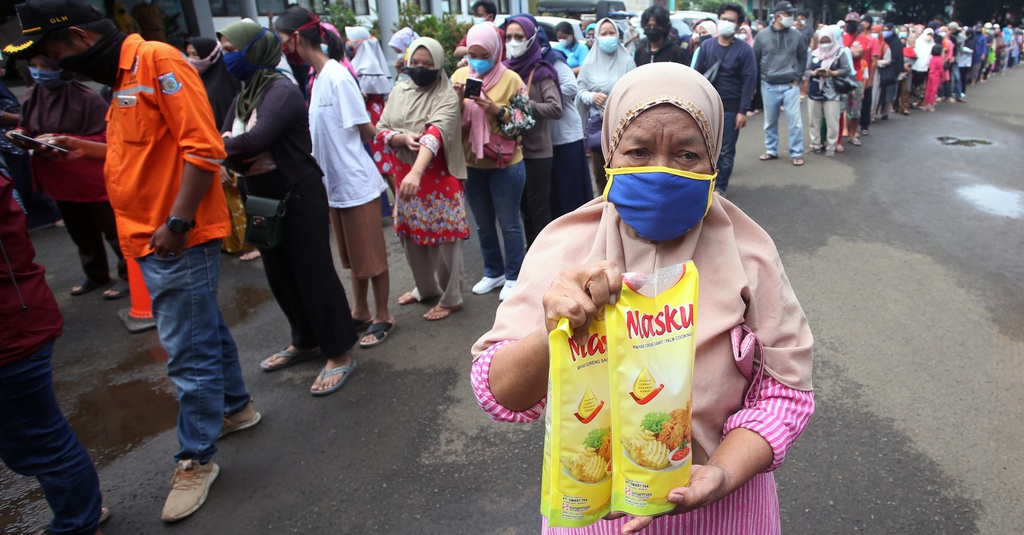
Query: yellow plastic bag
576, 485
651, 336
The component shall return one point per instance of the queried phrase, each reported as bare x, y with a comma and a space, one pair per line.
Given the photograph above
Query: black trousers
300, 271
965, 80
536, 202
865, 109
89, 223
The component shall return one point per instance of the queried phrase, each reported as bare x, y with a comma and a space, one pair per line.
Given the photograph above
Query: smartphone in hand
37, 143
473, 87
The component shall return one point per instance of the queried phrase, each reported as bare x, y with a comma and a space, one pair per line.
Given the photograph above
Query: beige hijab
411, 108
741, 276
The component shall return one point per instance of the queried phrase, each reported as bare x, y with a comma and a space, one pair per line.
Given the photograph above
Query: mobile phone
473, 87
36, 142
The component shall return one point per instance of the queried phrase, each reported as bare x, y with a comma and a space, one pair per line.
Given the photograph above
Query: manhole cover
950, 140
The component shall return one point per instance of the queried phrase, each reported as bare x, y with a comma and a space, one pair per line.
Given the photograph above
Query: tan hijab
741, 276
411, 108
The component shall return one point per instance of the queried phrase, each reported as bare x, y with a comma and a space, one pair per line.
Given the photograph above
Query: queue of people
508, 135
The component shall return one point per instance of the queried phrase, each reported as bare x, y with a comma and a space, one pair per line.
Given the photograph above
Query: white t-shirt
335, 109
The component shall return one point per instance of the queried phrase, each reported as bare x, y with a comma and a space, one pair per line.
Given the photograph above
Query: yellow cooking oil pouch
576, 486
651, 336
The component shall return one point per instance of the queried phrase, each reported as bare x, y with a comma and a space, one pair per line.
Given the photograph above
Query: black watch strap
178, 225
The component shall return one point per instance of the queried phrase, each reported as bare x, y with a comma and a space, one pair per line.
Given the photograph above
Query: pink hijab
474, 117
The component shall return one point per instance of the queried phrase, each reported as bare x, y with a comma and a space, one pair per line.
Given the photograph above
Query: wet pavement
906, 254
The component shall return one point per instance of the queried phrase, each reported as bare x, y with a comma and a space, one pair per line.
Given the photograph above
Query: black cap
38, 17
785, 7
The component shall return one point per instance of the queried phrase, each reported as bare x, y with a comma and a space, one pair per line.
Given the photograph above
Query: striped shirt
779, 415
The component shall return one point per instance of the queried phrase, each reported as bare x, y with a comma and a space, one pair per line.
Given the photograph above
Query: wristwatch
178, 225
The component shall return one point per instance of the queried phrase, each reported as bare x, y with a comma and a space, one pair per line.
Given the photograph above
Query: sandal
856, 142
87, 286
361, 324
379, 331
249, 256
293, 356
766, 156
117, 291
798, 161
325, 373
409, 298
439, 312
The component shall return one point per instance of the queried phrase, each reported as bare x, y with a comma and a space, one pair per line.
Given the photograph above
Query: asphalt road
906, 255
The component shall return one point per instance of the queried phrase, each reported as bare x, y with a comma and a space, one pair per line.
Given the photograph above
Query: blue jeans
495, 194
203, 360
787, 96
36, 440
728, 156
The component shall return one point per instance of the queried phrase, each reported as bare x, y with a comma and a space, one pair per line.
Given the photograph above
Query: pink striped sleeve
780, 416
480, 377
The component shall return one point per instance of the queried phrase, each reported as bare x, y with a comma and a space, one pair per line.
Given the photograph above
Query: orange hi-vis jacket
159, 119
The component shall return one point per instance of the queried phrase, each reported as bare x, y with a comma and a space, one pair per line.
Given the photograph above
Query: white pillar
387, 17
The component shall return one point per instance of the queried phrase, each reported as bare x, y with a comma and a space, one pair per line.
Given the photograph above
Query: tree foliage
341, 15
447, 30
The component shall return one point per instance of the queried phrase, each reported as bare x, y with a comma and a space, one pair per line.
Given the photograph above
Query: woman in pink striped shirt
665, 121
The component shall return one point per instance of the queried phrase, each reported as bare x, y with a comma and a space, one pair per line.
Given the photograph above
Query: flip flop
447, 311
855, 142
380, 332
765, 157
409, 298
118, 290
294, 357
325, 373
104, 515
796, 160
87, 286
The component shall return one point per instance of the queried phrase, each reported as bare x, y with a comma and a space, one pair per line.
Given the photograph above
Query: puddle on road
950, 140
242, 302
993, 200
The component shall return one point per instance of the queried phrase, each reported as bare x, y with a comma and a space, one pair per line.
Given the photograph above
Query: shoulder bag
264, 220
502, 148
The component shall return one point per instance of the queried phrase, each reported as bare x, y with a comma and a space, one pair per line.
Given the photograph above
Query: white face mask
479, 20
517, 48
786, 22
742, 36
874, 35
564, 43
825, 46
726, 28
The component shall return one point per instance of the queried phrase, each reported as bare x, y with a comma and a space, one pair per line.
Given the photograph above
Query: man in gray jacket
781, 56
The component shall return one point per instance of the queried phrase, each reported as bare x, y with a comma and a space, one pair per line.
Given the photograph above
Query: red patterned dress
438, 212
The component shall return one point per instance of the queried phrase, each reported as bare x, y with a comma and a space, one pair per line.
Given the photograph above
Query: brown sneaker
190, 486
243, 419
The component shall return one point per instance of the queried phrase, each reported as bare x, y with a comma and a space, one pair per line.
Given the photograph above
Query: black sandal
87, 286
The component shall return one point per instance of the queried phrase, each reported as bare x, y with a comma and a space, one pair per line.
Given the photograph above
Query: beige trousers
816, 109
436, 270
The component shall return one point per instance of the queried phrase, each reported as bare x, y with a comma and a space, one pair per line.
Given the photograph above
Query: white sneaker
189, 488
507, 290
488, 284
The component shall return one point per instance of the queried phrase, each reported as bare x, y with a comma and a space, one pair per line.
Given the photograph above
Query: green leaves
595, 438
654, 421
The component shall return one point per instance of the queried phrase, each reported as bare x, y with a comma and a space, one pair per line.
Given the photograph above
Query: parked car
549, 23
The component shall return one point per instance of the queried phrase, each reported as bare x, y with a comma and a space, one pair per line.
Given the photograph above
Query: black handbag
264, 221
594, 123
844, 84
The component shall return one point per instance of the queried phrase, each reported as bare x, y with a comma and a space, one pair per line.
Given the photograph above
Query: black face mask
422, 76
100, 61
852, 28
654, 34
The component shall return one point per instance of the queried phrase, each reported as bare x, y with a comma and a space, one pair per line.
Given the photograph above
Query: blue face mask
659, 203
47, 79
903, 35
887, 34
238, 66
481, 66
608, 43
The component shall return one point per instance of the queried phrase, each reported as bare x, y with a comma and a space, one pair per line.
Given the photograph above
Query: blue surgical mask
608, 43
659, 203
46, 78
887, 34
481, 66
238, 66
479, 20
903, 35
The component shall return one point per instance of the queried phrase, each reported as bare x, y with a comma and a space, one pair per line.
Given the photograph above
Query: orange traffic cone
139, 317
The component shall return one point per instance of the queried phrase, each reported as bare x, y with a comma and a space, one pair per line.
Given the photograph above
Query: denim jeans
728, 156
787, 96
203, 360
36, 440
495, 194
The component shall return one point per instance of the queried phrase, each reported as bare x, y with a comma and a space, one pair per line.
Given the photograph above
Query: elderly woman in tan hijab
662, 144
